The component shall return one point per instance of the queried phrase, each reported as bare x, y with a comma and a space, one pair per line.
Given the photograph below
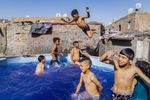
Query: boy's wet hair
144, 67
73, 12
75, 42
129, 53
55, 39
86, 60
40, 58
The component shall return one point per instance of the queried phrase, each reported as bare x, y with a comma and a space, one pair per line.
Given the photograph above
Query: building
138, 21
132, 31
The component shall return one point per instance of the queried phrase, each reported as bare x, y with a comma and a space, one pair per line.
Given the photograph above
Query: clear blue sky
101, 10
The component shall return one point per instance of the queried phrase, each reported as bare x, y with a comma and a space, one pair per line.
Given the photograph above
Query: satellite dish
138, 5
65, 15
27, 16
58, 15
130, 10
114, 19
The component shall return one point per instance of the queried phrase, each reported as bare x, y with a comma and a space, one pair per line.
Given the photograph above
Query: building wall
149, 53
124, 22
20, 42
120, 44
2, 39
34, 19
142, 21
142, 49
139, 21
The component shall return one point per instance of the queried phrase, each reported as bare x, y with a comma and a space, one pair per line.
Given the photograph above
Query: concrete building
132, 31
139, 21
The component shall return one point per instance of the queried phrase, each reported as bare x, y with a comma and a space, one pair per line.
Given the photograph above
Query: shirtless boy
55, 50
124, 75
75, 52
92, 85
40, 65
80, 22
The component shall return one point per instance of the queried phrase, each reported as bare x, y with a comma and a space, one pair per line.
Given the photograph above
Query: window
129, 24
112, 27
119, 27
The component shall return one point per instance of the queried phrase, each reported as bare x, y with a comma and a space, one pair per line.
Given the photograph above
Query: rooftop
128, 35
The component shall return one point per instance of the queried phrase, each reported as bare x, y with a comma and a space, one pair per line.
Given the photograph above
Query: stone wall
120, 44
140, 47
21, 42
143, 49
142, 21
139, 21
2, 39
127, 24
34, 19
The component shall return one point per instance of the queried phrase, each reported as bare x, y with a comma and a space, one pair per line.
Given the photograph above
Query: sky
101, 10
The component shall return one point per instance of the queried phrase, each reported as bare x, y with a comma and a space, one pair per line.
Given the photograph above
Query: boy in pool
55, 50
75, 52
124, 75
80, 22
40, 65
92, 85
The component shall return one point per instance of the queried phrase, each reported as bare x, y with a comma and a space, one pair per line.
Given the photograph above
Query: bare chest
125, 74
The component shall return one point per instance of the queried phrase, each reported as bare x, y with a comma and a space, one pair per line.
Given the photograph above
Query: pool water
18, 82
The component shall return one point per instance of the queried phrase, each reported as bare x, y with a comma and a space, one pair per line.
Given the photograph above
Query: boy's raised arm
88, 13
142, 75
80, 84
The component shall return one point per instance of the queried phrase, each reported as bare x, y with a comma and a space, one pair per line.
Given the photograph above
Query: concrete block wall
124, 23
2, 39
21, 42
142, 21
139, 21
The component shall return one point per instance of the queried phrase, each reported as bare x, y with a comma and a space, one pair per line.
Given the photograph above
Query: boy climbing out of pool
92, 85
76, 52
125, 75
80, 22
40, 65
55, 50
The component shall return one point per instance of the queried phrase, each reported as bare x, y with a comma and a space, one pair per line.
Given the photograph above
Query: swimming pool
18, 82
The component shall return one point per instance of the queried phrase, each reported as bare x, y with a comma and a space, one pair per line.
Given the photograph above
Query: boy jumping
80, 22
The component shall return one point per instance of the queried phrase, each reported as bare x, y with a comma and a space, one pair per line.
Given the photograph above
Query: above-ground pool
18, 82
